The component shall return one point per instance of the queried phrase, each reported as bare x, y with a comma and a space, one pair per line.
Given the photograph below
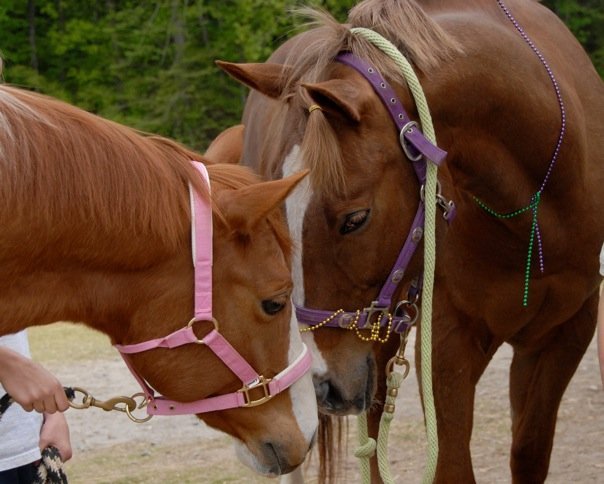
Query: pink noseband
201, 236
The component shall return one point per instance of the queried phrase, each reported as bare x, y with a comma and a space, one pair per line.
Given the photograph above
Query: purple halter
416, 148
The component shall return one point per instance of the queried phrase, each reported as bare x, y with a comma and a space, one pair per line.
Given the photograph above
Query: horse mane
423, 42
62, 163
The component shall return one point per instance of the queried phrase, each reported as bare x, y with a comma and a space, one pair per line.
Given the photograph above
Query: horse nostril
360, 403
281, 465
334, 399
322, 390
331, 399
275, 468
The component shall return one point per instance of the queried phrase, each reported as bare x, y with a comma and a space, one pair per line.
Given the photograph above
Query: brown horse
524, 168
96, 228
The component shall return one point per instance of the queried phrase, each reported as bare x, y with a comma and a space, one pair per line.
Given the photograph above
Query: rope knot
366, 450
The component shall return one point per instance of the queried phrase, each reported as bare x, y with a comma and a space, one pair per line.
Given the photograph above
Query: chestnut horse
96, 228
519, 108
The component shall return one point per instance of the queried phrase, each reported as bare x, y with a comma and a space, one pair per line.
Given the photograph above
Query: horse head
252, 311
349, 217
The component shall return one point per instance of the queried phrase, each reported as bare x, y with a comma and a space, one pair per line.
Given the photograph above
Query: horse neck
499, 139
94, 214
104, 294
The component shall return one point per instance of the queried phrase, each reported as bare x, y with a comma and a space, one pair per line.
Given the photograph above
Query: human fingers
50, 405
61, 400
39, 406
55, 399
28, 407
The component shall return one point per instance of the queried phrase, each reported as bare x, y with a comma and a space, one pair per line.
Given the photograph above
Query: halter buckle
408, 128
375, 308
261, 382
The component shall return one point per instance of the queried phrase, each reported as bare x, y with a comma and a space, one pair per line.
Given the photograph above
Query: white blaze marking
302, 392
296, 206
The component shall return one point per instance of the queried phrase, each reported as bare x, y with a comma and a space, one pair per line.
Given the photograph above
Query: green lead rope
429, 255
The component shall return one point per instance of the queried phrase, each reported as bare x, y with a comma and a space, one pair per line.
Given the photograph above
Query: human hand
55, 432
30, 384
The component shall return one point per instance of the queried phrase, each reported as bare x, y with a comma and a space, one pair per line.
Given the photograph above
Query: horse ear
227, 146
244, 208
267, 78
339, 95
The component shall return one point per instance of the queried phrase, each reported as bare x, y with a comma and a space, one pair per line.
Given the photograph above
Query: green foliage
585, 19
151, 64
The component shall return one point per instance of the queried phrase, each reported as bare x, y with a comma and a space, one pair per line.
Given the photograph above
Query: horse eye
271, 307
354, 221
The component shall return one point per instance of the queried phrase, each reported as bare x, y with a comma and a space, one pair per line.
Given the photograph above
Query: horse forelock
404, 23
64, 164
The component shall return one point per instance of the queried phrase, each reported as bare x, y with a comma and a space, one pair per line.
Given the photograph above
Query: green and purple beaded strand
534, 207
536, 198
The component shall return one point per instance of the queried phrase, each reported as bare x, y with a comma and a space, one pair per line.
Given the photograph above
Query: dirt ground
108, 448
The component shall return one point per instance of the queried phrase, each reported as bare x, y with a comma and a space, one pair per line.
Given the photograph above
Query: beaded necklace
535, 199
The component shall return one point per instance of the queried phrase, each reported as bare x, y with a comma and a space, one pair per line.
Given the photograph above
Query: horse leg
538, 379
460, 353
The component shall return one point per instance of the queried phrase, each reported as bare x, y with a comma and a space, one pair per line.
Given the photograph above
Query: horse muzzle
333, 398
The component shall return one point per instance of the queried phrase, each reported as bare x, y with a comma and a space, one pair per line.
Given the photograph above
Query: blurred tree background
150, 64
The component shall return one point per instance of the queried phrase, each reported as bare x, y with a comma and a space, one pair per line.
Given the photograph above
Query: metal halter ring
409, 305
398, 360
193, 321
143, 404
447, 206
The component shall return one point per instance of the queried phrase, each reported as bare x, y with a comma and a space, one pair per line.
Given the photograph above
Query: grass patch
184, 463
67, 343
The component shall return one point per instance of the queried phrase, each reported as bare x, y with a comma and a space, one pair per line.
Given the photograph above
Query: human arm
55, 432
30, 384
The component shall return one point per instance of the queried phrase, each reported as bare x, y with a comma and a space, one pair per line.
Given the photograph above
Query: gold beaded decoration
322, 323
375, 331
353, 326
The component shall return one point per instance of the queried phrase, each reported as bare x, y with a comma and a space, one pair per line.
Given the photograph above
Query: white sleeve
602, 260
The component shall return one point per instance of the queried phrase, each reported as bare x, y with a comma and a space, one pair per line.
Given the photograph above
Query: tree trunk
31, 18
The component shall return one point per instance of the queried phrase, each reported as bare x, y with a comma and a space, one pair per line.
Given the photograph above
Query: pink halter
201, 235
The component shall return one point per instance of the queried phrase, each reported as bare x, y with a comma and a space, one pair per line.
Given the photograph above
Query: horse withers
519, 108
96, 228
